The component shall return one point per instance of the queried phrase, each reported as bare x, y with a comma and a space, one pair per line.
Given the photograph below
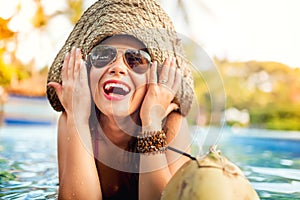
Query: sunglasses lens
102, 56
138, 60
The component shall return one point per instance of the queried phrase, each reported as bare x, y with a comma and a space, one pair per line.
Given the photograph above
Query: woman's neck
119, 130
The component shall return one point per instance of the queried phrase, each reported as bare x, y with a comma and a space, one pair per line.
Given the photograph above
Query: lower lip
114, 97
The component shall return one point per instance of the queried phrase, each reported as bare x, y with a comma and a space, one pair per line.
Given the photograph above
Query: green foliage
270, 91
11, 71
6, 74
272, 107
283, 124
277, 117
22, 73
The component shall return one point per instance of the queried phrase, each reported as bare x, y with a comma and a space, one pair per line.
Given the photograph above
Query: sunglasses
137, 60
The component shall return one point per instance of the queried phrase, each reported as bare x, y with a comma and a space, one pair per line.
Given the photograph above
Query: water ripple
293, 174
287, 188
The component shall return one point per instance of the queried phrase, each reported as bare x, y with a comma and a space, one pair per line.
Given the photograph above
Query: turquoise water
28, 160
28, 153
270, 160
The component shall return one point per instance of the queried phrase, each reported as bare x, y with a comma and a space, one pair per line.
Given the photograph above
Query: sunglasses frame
143, 52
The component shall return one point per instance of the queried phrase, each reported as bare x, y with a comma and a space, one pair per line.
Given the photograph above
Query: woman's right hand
157, 103
76, 161
74, 92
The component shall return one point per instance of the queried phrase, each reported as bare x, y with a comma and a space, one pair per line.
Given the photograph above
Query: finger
71, 63
64, 70
177, 81
83, 76
171, 107
172, 72
81, 79
78, 62
165, 71
153, 76
57, 87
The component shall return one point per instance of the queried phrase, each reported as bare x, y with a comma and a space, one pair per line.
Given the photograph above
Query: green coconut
213, 177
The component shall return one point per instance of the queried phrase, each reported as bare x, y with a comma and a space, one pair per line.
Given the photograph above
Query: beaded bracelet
152, 142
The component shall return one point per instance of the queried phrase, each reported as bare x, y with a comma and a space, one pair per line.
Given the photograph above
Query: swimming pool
28, 158
270, 159
28, 154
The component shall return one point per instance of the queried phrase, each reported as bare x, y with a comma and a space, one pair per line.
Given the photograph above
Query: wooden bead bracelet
152, 142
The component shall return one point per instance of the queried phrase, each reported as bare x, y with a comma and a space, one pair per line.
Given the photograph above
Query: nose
118, 67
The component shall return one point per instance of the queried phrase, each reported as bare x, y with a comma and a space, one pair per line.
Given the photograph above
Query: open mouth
112, 88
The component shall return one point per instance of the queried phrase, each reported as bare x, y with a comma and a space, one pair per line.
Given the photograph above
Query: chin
116, 110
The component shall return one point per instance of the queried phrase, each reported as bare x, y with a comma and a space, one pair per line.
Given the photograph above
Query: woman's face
117, 90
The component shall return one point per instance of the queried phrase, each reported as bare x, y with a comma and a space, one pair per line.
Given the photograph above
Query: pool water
28, 161
28, 156
270, 160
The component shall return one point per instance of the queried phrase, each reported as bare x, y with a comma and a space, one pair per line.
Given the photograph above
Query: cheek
140, 92
140, 80
140, 83
137, 99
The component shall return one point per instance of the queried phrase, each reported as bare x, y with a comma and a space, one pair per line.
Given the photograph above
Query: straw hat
143, 19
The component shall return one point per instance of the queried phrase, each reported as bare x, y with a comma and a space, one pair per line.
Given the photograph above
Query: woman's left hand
157, 102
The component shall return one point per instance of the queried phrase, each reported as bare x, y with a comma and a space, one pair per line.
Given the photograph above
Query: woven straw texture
143, 19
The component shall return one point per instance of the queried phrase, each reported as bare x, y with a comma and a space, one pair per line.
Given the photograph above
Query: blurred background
245, 58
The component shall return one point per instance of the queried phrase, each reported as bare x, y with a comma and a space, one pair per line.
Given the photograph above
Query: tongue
117, 91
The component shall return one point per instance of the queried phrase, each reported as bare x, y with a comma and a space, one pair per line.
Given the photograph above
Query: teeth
118, 85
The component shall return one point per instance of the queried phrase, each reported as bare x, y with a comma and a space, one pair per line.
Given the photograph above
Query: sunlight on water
287, 188
293, 174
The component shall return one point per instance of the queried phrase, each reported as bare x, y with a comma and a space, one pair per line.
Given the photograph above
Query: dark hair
132, 181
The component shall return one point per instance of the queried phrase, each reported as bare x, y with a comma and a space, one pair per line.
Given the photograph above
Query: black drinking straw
184, 153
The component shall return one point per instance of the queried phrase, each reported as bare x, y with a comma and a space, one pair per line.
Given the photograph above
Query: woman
114, 106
